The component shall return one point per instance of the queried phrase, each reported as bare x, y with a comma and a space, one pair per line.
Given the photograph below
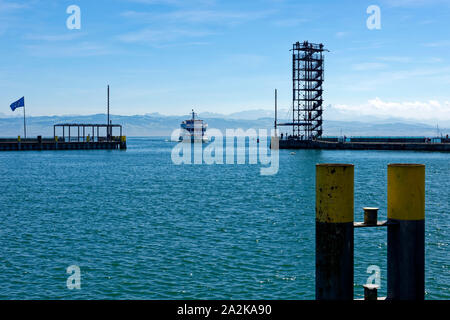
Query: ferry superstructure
194, 129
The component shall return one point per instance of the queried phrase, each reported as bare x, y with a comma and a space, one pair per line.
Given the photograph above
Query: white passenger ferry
194, 129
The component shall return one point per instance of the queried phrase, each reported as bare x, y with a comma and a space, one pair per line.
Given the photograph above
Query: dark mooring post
406, 232
275, 123
107, 127
334, 231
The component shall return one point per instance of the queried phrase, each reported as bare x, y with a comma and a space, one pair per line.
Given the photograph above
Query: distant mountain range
156, 124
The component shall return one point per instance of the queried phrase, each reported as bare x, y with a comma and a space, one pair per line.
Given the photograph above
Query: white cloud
408, 110
436, 44
197, 16
246, 60
161, 37
373, 79
69, 36
175, 2
396, 59
8, 14
415, 73
405, 59
289, 22
368, 66
7, 5
162, 29
80, 49
341, 34
414, 3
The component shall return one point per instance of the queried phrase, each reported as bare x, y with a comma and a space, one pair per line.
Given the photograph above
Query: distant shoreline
156, 126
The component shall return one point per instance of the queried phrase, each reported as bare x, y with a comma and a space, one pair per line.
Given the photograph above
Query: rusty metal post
406, 232
334, 231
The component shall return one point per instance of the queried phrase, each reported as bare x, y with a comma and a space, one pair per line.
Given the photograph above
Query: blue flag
19, 103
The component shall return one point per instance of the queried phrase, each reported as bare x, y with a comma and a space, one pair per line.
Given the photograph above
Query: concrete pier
332, 145
51, 144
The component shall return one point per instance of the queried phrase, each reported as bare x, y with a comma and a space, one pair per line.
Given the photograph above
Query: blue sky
168, 56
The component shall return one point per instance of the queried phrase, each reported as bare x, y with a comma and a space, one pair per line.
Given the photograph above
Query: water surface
141, 227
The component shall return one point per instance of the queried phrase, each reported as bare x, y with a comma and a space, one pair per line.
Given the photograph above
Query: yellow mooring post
123, 143
406, 232
334, 231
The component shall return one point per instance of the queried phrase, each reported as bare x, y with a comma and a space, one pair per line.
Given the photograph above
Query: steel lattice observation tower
307, 91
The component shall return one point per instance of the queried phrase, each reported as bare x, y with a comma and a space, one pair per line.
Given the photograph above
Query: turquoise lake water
140, 227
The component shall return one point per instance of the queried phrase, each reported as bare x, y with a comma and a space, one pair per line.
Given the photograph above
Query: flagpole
24, 124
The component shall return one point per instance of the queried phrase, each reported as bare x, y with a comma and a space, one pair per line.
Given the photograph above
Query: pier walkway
88, 137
